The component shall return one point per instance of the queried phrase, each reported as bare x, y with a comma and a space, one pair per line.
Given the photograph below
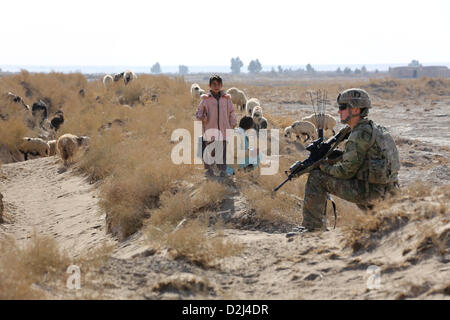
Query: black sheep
57, 120
39, 107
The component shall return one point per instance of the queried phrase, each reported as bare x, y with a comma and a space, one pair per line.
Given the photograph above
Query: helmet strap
350, 115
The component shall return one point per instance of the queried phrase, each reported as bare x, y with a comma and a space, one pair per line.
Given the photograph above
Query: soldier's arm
353, 157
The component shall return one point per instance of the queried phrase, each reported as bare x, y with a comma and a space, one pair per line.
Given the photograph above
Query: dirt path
40, 197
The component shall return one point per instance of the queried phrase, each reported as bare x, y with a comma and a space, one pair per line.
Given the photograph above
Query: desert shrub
191, 242
40, 260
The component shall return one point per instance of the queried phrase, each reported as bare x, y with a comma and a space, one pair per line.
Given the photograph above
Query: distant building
420, 71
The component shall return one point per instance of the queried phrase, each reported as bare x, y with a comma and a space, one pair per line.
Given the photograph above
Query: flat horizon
92, 68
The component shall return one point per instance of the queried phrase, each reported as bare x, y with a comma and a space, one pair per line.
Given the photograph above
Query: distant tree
272, 70
339, 71
414, 63
236, 65
363, 70
280, 69
357, 71
347, 70
156, 68
377, 71
309, 68
182, 69
254, 66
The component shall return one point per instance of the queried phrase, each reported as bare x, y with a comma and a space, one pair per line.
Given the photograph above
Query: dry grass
179, 225
40, 261
192, 242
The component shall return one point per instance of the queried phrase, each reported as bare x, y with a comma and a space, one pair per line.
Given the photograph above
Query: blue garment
249, 162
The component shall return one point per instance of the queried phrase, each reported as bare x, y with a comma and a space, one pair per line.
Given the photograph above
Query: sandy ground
40, 197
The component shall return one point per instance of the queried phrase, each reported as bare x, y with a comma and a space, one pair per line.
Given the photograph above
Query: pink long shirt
220, 115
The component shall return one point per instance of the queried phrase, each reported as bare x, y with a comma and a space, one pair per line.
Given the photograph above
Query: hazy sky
130, 32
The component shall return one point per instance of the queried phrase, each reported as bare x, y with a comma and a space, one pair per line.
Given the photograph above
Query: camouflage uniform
346, 179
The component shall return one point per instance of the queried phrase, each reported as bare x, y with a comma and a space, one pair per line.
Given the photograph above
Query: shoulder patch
204, 96
227, 96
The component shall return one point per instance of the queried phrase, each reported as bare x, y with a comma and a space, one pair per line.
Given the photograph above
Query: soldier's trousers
320, 183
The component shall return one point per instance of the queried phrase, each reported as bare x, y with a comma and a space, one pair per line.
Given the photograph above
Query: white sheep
238, 98
51, 147
328, 122
33, 146
259, 122
196, 91
107, 80
128, 76
251, 103
301, 128
68, 145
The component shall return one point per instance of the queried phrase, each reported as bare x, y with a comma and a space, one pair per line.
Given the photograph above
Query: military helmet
355, 97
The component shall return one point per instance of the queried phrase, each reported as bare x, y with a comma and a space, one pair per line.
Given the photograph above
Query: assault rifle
319, 151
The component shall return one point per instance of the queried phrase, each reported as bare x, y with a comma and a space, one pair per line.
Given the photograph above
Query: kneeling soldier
366, 172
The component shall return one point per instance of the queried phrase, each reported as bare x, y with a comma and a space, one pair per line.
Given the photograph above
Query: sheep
51, 147
107, 80
68, 145
196, 91
15, 98
259, 122
301, 128
57, 120
251, 103
328, 122
39, 111
238, 98
128, 76
33, 146
118, 76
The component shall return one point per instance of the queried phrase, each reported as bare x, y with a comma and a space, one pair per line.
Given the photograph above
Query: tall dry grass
28, 270
179, 225
39, 261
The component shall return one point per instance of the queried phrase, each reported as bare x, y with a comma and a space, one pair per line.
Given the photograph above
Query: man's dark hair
215, 77
246, 123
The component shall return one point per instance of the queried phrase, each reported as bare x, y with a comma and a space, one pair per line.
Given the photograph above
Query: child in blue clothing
250, 162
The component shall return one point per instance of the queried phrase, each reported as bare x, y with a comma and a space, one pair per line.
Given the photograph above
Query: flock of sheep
304, 130
67, 145
36, 118
127, 76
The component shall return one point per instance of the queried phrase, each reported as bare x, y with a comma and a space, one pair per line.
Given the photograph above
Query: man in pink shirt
216, 111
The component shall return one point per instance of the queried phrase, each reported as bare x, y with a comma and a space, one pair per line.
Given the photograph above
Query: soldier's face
343, 114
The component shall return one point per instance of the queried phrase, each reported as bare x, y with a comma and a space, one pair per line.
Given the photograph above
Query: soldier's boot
296, 231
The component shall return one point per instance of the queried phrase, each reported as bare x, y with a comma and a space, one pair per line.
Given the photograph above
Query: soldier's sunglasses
344, 106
